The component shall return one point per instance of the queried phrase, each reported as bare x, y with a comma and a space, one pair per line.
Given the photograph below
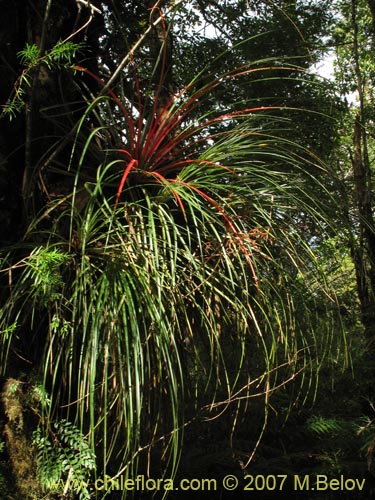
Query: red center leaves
164, 138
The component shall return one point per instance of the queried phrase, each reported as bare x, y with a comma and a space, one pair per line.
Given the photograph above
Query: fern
324, 426
65, 460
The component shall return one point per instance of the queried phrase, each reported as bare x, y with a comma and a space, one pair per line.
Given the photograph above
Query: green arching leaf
184, 286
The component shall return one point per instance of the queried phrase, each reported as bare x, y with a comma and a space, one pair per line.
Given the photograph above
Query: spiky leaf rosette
188, 281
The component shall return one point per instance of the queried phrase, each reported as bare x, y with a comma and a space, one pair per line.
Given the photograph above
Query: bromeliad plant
181, 282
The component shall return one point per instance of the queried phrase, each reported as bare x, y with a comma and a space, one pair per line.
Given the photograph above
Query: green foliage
328, 426
170, 291
65, 460
8, 331
29, 56
5, 341
45, 273
62, 54
58, 57
179, 278
38, 398
343, 35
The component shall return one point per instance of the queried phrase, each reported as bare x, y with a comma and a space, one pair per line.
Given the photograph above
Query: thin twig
130, 53
92, 8
89, 6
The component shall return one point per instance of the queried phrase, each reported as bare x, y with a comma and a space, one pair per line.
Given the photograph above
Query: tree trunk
364, 247
364, 252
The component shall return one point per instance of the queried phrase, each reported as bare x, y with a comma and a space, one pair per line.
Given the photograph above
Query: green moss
22, 458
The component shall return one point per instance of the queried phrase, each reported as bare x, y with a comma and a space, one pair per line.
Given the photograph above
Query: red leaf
132, 164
